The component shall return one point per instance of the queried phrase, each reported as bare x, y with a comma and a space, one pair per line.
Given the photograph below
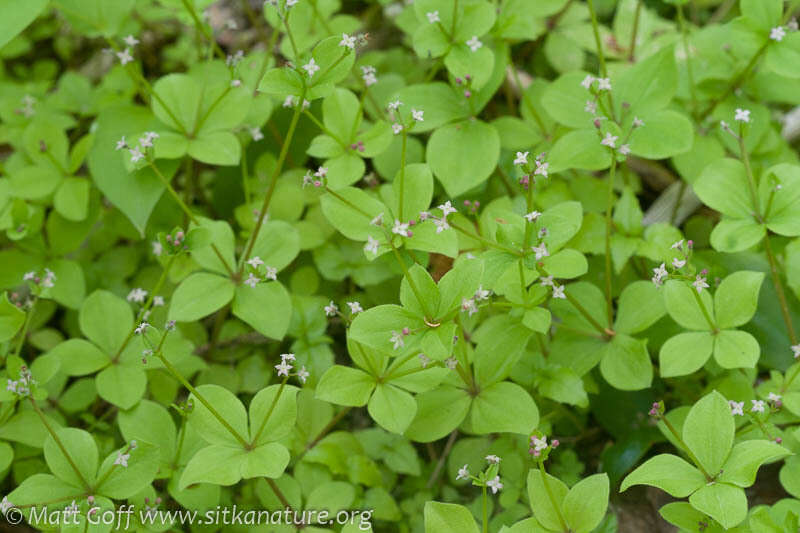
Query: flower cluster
538, 446
256, 274
471, 304
44, 281
22, 386
489, 478
139, 152
541, 168
284, 367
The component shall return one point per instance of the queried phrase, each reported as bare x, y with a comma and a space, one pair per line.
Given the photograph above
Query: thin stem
440, 464
278, 168
634, 34
736, 81
60, 444
271, 409
411, 282
609, 227
402, 175
686, 449
776, 280
706, 314
202, 29
485, 498
25, 325
600, 54
324, 431
550, 496
689, 71
751, 181
582, 310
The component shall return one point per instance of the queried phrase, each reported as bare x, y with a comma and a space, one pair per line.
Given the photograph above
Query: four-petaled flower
283, 368
441, 224
137, 295
468, 304
659, 274
5, 505
447, 208
397, 128
590, 107
131, 41
603, 84
255, 261
122, 143
540, 251
678, 263
546, 281
397, 340
481, 293
541, 168
136, 155
587, 81
463, 473
758, 406
774, 397
777, 33
303, 374
416, 114
355, 307
141, 328
272, 273
311, 67
493, 459
252, 281
609, 140
331, 309
125, 56
256, 134
400, 228
474, 44
637, 122
737, 408
625, 149
796, 351
494, 484
532, 216
122, 459
372, 245
348, 41
558, 292
742, 115
433, 16
522, 158
700, 283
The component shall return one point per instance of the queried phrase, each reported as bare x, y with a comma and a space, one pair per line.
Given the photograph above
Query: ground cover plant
441, 266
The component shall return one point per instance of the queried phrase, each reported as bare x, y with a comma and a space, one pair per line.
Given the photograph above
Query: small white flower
742, 115
474, 44
637, 122
395, 105
433, 16
659, 274
252, 281
424, 360
441, 224
677, 245
397, 128
625, 149
272, 273
463, 473
348, 41
587, 81
416, 114
136, 155
158, 249
11, 386
137, 295
303, 374
400, 228
236, 83
494, 484
777, 33
255, 261
321, 172
331, 309
609, 140
377, 221
122, 143
158, 301
468, 304
522, 158
291, 3
774, 397
737, 408
678, 263
493, 459
122, 459
700, 283
368, 75
131, 41
125, 56
590, 107
424, 215
283, 368
288, 357
533, 216
541, 168
796, 351
289, 101
141, 328
5, 505
451, 363
558, 292
311, 67
256, 134
546, 281
29, 276
355, 307
603, 84
397, 340
540, 251
372, 245
758, 406
539, 444
482, 294
447, 208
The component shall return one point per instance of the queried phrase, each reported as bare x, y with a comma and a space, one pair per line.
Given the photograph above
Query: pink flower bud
406, 331
554, 443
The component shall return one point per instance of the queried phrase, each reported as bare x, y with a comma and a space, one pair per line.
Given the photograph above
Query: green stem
632, 47
737, 81
485, 510
582, 310
689, 70
706, 314
202, 29
25, 325
402, 174
550, 496
609, 227
60, 444
600, 54
751, 181
686, 449
271, 409
411, 282
776, 280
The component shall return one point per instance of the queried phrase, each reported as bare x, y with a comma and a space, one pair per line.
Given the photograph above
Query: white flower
122, 143
146, 142
236, 83
289, 101
737, 408
447, 208
796, 351
609, 140
136, 155
482, 294
291, 3
587, 81
416, 114
137, 295
474, 44
742, 115
122, 459
256, 134
158, 249
395, 105
678, 263
5, 505
493, 459
255, 261
540, 251
590, 107
539, 444
625, 149
541, 168
494, 484
283, 368
659, 274
433, 16
131, 41
331, 309
400, 228
468, 304
700, 283
424, 360
463, 473
397, 340
451, 363
637, 122
141, 328
774, 397
355, 307
533, 216
777, 33
522, 158
311, 67
303, 374
288, 357
252, 281
321, 172
368, 75
546, 281
158, 301
372, 245
348, 41
603, 84
441, 224
397, 128
758, 406
125, 56
377, 221
272, 273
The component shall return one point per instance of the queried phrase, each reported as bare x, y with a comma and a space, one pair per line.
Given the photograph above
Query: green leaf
393, 409
106, 319
665, 133
351, 210
11, 319
781, 56
685, 353
95, 17
340, 113
199, 295
649, 85
281, 410
448, 518
39, 487
221, 235
566, 264
565, 100
267, 307
580, 149
736, 349
763, 14
216, 148
639, 306
541, 501
683, 308
586, 503
667, 472
121, 385
723, 186
708, 431
463, 155
439, 101
427, 290
150, 422
780, 206
228, 407
724, 503
501, 343
439, 412
736, 234
16, 16
343, 385
626, 363
268, 460
414, 188
124, 482
746, 458
736, 298
217, 464
504, 407
79, 465
72, 199
375, 326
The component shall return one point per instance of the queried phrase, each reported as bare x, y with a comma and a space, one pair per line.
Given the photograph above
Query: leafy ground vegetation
450, 266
